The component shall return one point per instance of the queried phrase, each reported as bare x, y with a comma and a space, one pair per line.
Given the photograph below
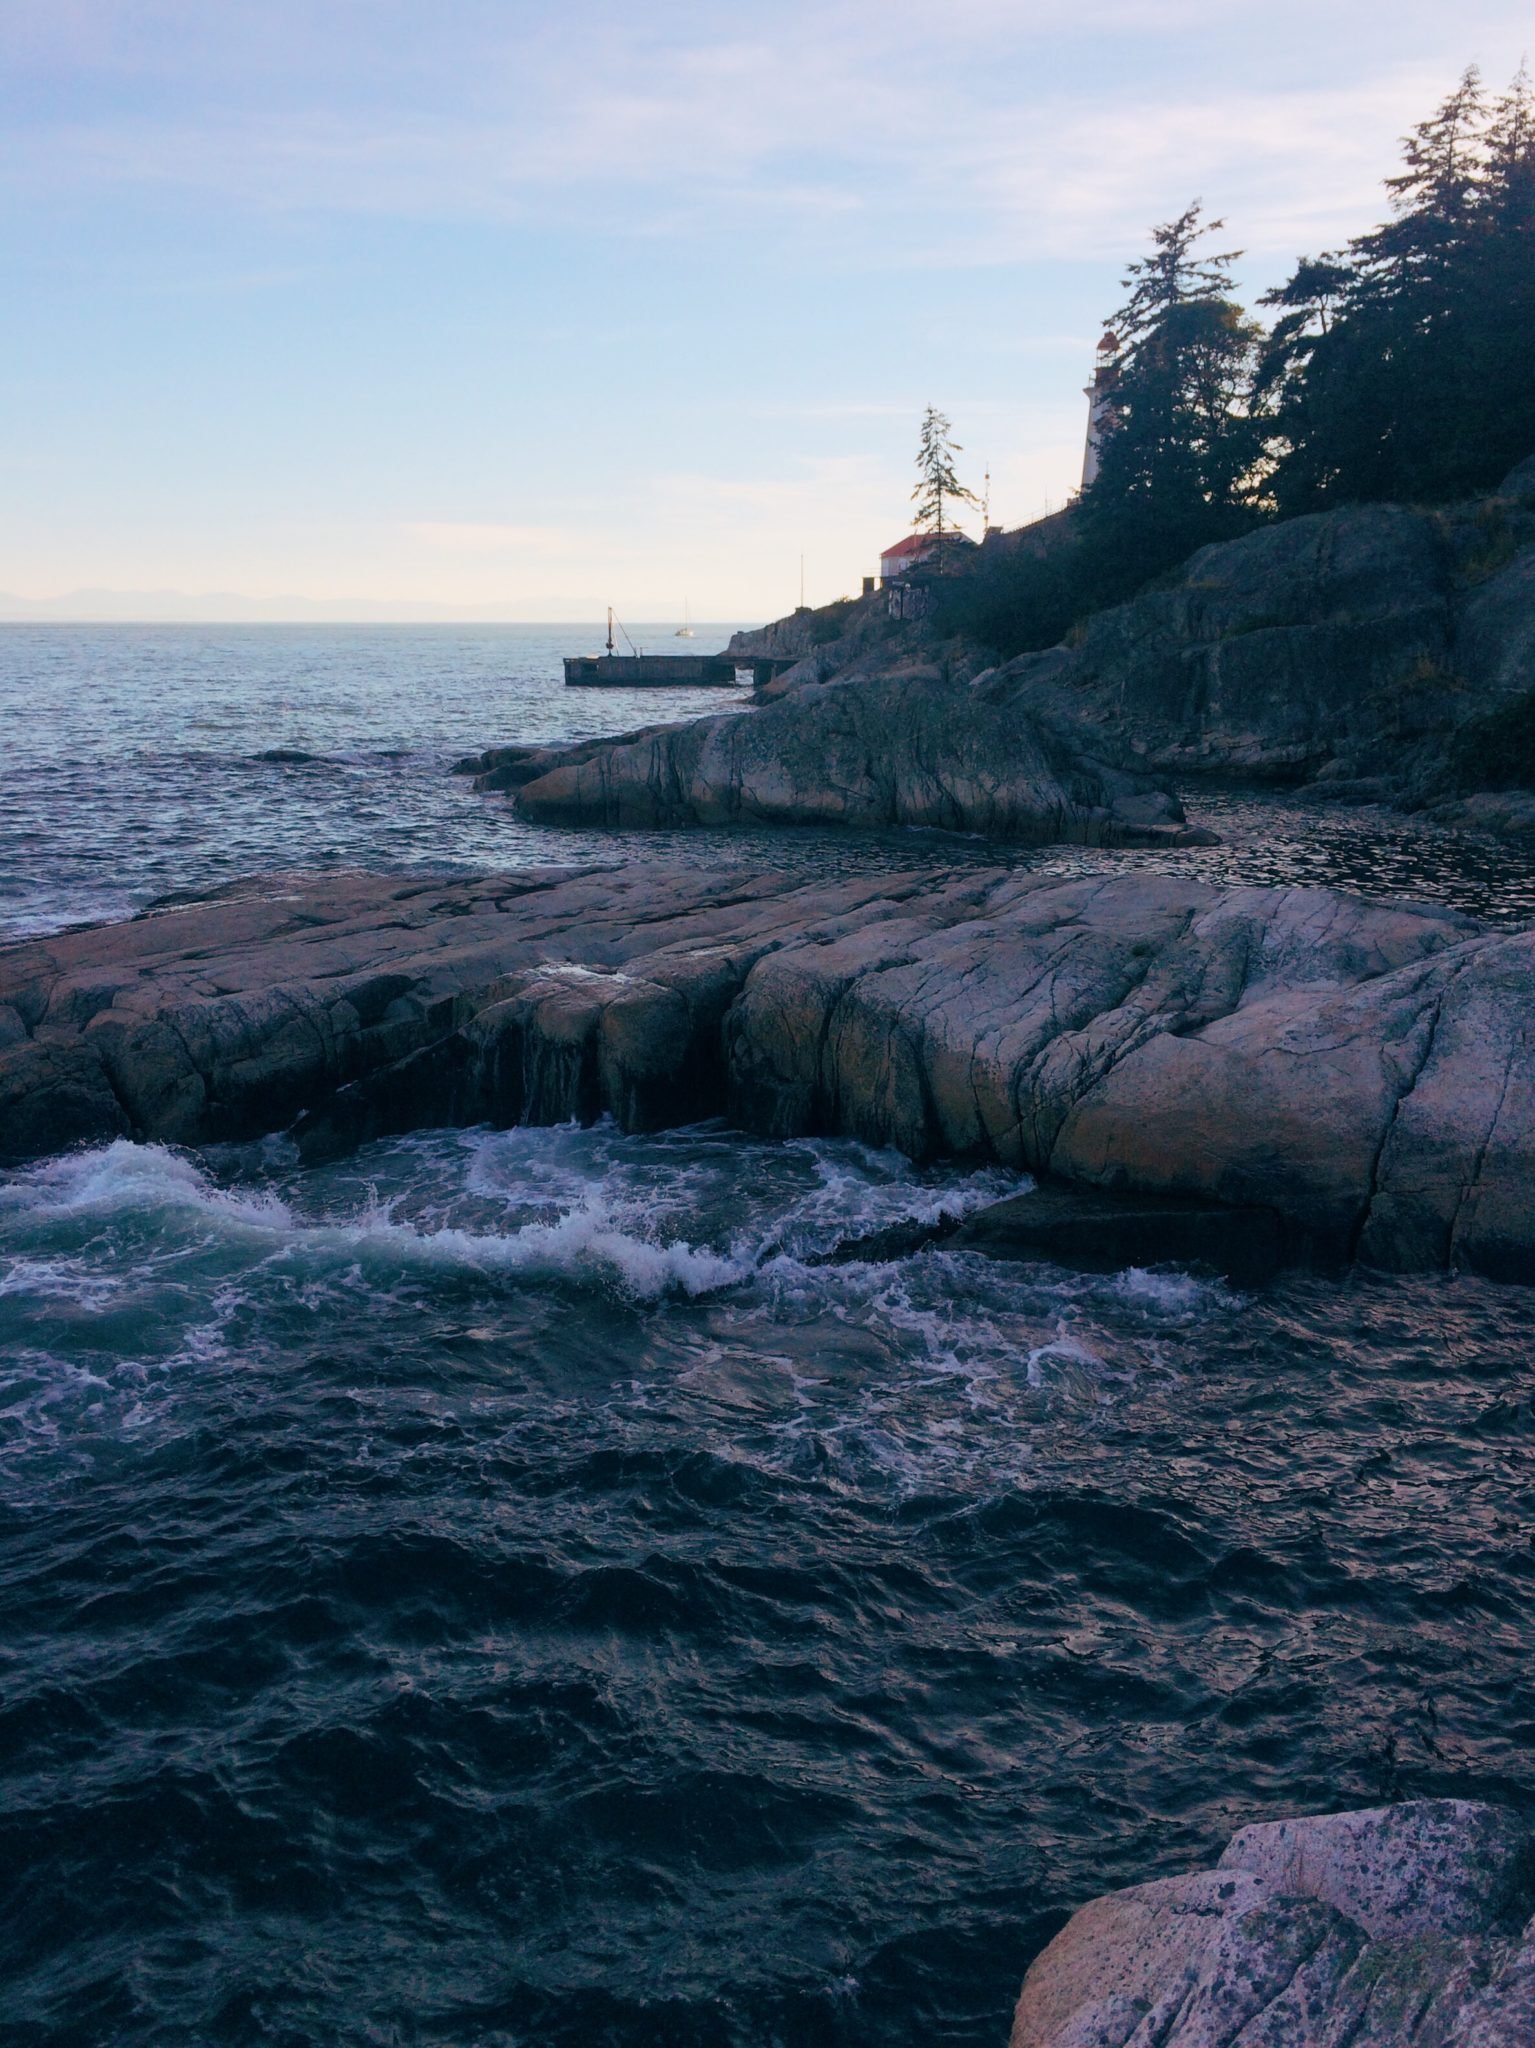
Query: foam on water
169, 1268
622, 1209
127, 1179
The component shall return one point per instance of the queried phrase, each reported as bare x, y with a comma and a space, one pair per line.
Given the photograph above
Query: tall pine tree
1407, 369
1499, 372
1179, 446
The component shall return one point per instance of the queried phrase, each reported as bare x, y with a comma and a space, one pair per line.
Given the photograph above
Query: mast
611, 648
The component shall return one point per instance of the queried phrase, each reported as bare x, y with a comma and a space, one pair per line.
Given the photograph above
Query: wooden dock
651, 671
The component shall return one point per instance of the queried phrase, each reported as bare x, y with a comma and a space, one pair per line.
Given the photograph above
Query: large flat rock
1361, 1071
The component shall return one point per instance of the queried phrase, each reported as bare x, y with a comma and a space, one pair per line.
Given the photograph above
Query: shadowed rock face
1399, 1927
1360, 1070
1267, 657
1338, 646
904, 749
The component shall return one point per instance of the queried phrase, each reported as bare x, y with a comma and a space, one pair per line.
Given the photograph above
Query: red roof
914, 544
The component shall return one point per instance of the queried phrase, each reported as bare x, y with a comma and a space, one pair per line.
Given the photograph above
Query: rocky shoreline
1357, 1072
1380, 653
1241, 1078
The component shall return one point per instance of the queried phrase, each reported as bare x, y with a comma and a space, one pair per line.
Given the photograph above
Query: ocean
501, 1588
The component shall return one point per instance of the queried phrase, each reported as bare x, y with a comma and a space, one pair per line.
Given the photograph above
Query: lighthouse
1098, 405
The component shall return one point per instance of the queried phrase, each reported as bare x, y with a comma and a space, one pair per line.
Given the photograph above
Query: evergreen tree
937, 483
1500, 363
1179, 446
1402, 368
1405, 372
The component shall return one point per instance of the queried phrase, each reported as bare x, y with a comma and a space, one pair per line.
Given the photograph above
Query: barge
650, 671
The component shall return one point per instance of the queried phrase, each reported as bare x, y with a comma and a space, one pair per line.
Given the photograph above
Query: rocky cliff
1342, 648
1375, 652
1361, 1072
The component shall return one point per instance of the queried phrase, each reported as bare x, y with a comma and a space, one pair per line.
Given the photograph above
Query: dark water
501, 1590
497, 1591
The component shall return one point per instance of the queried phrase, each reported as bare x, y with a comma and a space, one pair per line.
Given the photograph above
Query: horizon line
447, 619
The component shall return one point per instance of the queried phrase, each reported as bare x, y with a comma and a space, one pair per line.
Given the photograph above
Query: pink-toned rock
1392, 1928
1361, 1071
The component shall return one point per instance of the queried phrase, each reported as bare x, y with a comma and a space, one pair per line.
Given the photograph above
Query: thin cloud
791, 136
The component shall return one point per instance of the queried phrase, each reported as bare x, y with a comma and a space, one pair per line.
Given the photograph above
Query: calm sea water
502, 1589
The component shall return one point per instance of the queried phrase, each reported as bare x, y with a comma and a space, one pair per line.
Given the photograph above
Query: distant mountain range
226, 607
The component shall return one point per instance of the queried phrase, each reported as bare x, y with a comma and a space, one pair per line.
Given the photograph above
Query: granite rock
912, 747
1359, 1073
1394, 1928
1341, 649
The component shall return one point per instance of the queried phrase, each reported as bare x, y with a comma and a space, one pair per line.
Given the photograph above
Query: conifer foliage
1405, 366
1179, 447
938, 485
1401, 367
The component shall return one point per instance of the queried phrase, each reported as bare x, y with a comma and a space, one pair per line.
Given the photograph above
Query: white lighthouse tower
1098, 393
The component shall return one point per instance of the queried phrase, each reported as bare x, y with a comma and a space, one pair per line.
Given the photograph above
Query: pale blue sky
488, 308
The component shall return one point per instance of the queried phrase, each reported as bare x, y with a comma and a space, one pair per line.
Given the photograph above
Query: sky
367, 309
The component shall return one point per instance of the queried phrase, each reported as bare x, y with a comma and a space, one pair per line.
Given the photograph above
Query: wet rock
1508, 812
1346, 789
895, 1241
1394, 1928
1098, 1230
1358, 1071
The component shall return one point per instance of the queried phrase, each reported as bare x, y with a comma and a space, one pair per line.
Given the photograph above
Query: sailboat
685, 630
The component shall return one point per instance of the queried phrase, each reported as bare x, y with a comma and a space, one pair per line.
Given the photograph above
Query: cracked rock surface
1397, 1927
1360, 1070
911, 747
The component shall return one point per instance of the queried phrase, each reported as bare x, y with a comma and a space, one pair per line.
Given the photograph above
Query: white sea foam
124, 1178
126, 1182
1175, 1294
1064, 1348
72, 1280
587, 1235
687, 1214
